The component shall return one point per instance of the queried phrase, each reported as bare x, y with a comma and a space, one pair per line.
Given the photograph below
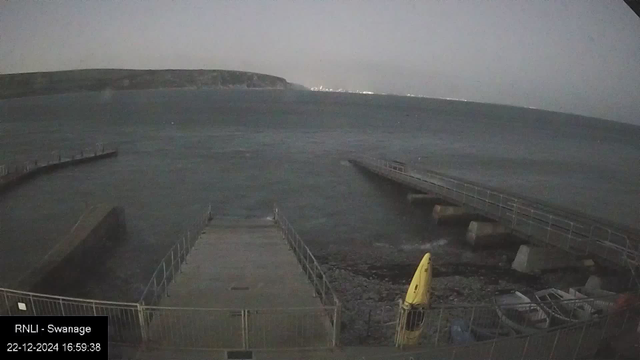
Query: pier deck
241, 287
542, 223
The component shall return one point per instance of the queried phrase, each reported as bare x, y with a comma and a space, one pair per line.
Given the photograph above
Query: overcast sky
578, 56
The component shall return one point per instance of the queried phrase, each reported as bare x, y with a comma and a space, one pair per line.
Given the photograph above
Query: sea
242, 151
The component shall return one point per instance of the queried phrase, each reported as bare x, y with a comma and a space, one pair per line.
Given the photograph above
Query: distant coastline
72, 81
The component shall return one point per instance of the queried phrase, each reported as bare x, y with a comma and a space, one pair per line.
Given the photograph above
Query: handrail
582, 239
312, 269
57, 298
569, 341
177, 254
27, 166
307, 260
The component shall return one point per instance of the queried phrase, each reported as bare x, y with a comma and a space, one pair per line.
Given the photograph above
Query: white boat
565, 306
490, 329
599, 299
519, 313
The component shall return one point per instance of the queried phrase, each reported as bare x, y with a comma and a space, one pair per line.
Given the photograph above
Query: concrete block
588, 263
441, 213
612, 283
75, 254
424, 198
531, 259
482, 233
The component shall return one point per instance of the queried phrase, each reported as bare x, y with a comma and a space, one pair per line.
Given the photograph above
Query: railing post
555, 342
155, 287
584, 327
95, 313
438, 328
493, 346
526, 345
621, 328
245, 331
606, 251
173, 271
569, 240
33, 306
6, 301
185, 249
315, 288
143, 324
164, 279
62, 307
324, 283
336, 325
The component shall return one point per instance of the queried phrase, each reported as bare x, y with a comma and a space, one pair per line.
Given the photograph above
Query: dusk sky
577, 56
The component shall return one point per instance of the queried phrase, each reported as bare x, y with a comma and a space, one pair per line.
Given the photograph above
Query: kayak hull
416, 303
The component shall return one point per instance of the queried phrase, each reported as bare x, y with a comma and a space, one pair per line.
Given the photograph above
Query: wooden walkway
240, 288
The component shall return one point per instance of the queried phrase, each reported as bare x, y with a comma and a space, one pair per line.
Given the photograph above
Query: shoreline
370, 290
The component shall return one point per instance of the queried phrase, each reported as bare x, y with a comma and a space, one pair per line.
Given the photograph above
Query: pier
13, 175
533, 220
245, 284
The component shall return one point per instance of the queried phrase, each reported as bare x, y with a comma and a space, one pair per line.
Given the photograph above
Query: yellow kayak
415, 304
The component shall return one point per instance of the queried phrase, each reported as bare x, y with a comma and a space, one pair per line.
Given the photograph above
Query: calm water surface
241, 151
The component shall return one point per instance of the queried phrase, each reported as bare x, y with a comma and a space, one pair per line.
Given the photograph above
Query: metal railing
314, 273
135, 324
202, 328
171, 263
124, 318
16, 170
573, 341
380, 326
574, 234
493, 322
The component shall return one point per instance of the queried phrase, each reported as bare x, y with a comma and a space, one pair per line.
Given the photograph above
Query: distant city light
322, 88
